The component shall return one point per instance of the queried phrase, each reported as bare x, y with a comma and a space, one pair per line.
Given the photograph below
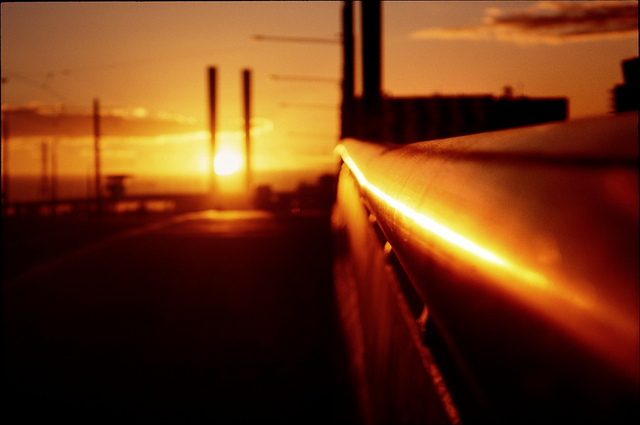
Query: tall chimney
348, 73
246, 84
212, 126
371, 50
371, 119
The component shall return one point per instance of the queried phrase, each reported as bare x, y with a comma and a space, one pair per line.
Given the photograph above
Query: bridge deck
212, 315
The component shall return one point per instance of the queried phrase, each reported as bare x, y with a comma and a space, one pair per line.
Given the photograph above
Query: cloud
548, 22
140, 112
40, 121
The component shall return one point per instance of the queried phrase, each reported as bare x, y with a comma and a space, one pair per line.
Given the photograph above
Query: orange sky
149, 60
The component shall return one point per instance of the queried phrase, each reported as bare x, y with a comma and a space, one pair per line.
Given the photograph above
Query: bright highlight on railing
442, 231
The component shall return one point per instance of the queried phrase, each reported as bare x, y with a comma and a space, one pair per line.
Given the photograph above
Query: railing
515, 261
127, 203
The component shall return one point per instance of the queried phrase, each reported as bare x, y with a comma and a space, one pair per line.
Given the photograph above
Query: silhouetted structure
307, 197
115, 186
264, 197
625, 96
414, 119
347, 123
96, 153
5, 163
44, 170
212, 125
371, 121
374, 117
246, 91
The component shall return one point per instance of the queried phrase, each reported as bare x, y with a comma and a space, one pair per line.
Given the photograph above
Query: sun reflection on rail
443, 232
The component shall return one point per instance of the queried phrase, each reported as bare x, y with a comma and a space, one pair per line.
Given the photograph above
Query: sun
227, 162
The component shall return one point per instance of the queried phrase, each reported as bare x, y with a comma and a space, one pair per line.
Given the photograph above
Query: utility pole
54, 177
212, 127
5, 163
347, 125
246, 84
96, 148
44, 170
89, 183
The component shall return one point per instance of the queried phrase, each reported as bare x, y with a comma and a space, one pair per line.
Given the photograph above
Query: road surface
205, 316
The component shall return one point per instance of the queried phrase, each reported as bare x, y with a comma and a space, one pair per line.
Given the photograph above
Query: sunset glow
348, 211
146, 64
227, 162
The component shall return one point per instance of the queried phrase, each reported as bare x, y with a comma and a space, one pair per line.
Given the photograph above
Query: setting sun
227, 162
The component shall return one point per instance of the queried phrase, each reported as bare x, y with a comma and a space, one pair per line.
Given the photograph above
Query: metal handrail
523, 245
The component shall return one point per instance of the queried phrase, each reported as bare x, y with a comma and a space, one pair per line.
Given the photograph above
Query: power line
6, 78
135, 62
303, 78
308, 105
311, 134
260, 37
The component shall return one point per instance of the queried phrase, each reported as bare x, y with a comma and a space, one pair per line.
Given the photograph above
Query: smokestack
348, 73
246, 84
212, 126
371, 50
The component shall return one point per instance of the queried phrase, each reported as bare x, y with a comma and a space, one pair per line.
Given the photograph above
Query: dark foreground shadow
204, 319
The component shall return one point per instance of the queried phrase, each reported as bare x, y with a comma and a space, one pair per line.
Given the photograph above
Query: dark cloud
549, 22
34, 122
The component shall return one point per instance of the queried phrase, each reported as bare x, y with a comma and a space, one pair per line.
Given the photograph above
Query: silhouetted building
319, 196
414, 119
625, 96
115, 185
374, 117
264, 198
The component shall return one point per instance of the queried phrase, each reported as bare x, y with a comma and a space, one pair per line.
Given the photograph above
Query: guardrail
513, 257
127, 203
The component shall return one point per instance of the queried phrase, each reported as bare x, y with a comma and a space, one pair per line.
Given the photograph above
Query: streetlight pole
44, 172
246, 84
5, 162
96, 148
54, 177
